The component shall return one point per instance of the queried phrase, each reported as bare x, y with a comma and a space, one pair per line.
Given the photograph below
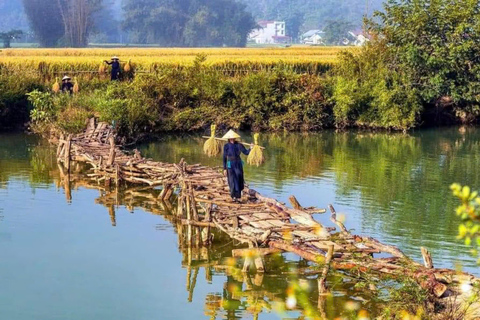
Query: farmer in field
67, 85
115, 63
233, 164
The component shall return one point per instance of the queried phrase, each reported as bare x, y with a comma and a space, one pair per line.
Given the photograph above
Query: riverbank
273, 90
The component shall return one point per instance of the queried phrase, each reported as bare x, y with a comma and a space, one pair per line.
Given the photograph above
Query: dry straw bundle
76, 87
56, 86
212, 146
101, 69
256, 157
128, 66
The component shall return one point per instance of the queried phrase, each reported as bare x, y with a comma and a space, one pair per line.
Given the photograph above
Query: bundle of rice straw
256, 158
76, 87
56, 86
212, 146
101, 69
128, 66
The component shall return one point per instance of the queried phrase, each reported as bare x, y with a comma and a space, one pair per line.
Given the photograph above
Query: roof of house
310, 33
264, 23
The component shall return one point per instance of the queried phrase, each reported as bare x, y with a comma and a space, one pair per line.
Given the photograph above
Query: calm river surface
76, 251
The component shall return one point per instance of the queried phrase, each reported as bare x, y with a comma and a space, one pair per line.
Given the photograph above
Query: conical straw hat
231, 135
115, 58
66, 78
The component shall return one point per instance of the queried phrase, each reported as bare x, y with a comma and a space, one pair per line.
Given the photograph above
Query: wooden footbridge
265, 225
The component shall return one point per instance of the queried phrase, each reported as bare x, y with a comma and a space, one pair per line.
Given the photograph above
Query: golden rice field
146, 59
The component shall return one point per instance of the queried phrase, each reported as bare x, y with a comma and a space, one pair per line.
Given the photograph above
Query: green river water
94, 254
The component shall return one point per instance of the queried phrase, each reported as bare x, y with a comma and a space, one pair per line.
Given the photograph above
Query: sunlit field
146, 59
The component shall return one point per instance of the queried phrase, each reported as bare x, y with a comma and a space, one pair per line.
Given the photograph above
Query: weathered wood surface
203, 201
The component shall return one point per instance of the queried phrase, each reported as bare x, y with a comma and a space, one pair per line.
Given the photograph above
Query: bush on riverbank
14, 110
420, 67
186, 100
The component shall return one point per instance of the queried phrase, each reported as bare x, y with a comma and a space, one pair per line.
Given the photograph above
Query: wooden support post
161, 196
248, 261
117, 175
258, 279
247, 264
189, 277
208, 274
189, 217
168, 193
208, 219
427, 258
60, 145
111, 212
68, 190
67, 153
192, 285
259, 264
179, 205
322, 281
111, 156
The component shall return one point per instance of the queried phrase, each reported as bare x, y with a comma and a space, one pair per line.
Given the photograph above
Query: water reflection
391, 186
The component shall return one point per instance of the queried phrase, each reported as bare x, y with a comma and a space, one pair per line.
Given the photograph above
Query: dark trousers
235, 179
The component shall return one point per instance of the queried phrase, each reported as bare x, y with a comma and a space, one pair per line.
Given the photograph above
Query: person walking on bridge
115, 63
233, 164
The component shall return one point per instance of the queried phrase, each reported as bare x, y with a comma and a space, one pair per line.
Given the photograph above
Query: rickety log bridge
264, 224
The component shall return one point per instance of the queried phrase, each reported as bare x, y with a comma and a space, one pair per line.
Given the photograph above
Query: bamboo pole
225, 140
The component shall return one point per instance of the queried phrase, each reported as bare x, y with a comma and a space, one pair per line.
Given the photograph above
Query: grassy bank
275, 89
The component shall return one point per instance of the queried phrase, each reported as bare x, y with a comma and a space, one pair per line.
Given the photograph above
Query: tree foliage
188, 22
435, 44
77, 20
421, 65
7, 37
336, 31
45, 21
67, 20
469, 212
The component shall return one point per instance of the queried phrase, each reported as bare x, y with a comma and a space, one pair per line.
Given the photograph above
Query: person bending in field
115, 63
233, 164
67, 85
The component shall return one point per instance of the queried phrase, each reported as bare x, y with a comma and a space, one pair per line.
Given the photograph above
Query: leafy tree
155, 21
336, 31
469, 212
188, 22
77, 20
45, 21
7, 37
53, 20
435, 44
